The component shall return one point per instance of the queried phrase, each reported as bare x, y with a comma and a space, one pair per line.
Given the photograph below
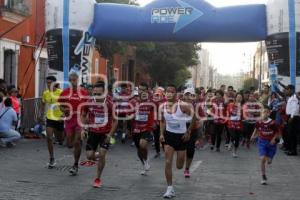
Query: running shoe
123, 138
147, 165
51, 163
234, 155
97, 183
264, 180
187, 173
170, 193
143, 172
74, 170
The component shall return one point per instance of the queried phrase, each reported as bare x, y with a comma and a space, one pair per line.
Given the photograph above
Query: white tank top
176, 122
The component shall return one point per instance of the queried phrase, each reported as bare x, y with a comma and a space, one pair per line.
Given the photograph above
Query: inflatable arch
72, 25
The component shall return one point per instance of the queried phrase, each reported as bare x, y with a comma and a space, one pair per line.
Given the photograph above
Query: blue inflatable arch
180, 20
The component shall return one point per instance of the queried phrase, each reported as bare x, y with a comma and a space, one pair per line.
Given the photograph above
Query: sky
228, 58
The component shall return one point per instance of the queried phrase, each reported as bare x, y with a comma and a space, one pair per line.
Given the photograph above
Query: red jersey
74, 97
267, 129
252, 111
234, 114
144, 116
123, 107
100, 116
218, 111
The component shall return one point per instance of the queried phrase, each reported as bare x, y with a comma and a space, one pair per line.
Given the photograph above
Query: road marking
195, 166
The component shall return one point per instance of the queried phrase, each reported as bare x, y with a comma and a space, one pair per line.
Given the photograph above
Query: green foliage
250, 82
181, 76
168, 62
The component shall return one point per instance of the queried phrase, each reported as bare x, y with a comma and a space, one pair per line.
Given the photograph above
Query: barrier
31, 110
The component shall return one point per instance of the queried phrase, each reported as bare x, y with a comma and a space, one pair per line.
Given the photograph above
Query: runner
158, 99
54, 122
122, 108
234, 124
251, 112
190, 97
268, 135
98, 115
70, 100
142, 125
219, 120
174, 134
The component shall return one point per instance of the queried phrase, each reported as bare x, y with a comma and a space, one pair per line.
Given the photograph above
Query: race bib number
234, 118
100, 119
174, 126
142, 118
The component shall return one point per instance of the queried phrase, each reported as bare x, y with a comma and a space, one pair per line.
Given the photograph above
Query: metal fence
31, 110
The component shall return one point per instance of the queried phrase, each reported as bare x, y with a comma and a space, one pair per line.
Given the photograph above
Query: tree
250, 82
167, 62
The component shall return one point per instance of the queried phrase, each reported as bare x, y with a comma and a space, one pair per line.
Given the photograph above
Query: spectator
264, 98
274, 104
13, 95
7, 118
292, 110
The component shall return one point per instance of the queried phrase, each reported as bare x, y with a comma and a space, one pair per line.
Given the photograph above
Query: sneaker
51, 163
226, 145
229, 148
97, 183
143, 172
147, 165
170, 193
264, 180
212, 148
74, 171
234, 155
187, 173
218, 150
123, 138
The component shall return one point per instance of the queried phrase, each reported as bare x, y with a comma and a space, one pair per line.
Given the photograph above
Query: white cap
189, 90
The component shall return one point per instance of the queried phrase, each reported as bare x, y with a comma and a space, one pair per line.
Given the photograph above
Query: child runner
268, 134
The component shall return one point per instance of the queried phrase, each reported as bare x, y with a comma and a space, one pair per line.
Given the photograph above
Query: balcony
16, 10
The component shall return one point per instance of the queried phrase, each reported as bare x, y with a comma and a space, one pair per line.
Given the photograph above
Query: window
22, 7
10, 67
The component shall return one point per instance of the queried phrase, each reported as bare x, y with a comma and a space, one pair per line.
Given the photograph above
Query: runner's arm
254, 135
113, 128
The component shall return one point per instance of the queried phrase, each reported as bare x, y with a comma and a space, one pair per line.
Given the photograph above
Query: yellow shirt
50, 99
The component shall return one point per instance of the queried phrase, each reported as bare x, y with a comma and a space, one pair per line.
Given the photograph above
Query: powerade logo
85, 48
169, 15
181, 16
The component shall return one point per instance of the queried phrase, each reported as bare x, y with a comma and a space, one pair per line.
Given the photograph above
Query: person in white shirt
292, 110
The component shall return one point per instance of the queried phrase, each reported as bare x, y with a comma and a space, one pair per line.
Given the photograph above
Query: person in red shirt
142, 125
158, 100
234, 123
218, 111
98, 116
71, 101
251, 113
124, 109
268, 134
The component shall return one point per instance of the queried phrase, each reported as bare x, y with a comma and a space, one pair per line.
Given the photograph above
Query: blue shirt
7, 119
